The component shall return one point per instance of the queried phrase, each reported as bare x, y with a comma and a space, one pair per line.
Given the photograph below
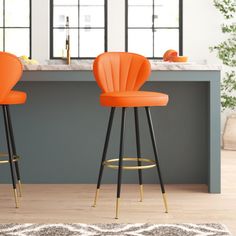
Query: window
15, 27
88, 27
153, 26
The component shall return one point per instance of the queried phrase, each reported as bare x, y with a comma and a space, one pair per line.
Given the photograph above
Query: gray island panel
60, 131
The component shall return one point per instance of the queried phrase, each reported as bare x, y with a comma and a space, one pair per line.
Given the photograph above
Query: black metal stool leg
156, 155
14, 149
10, 153
104, 154
136, 117
120, 161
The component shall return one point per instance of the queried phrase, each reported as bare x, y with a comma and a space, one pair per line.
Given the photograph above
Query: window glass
92, 16
165, 39
1, 13
91, 42
60, 14
1, 40
17, 13
167, 14
17, 41
142, 37
65, 2
140, 16
59, 42
91, 2
140, 2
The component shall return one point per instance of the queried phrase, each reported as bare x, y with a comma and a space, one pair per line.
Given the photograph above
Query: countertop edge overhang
157, 66
167, 72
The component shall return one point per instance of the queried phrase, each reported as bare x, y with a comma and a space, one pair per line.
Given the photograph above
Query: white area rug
113, 229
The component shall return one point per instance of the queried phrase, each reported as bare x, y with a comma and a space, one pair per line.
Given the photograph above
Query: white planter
229, 136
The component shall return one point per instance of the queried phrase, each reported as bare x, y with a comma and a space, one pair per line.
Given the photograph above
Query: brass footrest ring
4, 155
152, 163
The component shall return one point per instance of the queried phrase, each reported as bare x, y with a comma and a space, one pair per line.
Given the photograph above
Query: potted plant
226, 52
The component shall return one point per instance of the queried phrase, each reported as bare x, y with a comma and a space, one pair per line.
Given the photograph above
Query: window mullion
78, 28
105, 25
30, 28
181, 27
153, 29
3, 31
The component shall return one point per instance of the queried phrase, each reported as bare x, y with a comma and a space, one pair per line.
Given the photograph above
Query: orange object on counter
169, 55
180, 59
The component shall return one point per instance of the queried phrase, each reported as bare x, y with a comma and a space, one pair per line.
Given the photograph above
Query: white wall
116, 25
40, 29
202, 28
202, 23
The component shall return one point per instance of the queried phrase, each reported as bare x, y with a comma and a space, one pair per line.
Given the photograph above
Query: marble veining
87, 65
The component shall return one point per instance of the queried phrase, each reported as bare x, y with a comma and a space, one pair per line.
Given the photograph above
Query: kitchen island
60, 131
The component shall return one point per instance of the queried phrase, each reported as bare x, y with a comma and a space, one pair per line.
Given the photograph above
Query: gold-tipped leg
96, 197
141, 193
117, 208
16, 198
20, 188
165, 201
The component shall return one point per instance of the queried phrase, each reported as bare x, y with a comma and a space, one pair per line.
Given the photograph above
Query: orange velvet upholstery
14, 97
134, 99
10, 73
120, 75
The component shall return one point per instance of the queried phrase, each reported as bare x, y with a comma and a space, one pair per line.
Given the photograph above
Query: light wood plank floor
72, 203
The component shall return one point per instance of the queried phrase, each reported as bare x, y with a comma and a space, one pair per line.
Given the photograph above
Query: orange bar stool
10, 73
120, 75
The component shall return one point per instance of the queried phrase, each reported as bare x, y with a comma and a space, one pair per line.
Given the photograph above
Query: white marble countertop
87, 66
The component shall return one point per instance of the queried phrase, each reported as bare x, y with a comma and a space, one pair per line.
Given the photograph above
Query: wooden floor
72, 203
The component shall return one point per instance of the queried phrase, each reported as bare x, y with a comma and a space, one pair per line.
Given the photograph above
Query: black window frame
180, 28
18, 27
52, 28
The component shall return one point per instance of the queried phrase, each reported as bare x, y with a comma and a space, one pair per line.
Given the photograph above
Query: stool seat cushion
14, 97
133, 99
